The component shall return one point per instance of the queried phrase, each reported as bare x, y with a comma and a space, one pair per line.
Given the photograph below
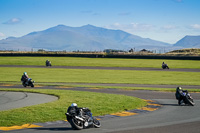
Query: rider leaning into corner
179, 94
24, 78
75, 109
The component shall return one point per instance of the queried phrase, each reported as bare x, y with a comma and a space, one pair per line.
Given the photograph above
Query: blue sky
162, 20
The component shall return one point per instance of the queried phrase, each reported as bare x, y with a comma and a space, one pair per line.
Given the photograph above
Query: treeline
138, 55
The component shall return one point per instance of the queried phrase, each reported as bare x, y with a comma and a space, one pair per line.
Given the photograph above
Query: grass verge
100, 76
102, 62
99, 103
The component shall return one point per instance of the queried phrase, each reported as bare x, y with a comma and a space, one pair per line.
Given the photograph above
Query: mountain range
189, 42
88, 38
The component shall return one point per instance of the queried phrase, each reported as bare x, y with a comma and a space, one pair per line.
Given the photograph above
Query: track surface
161, 120
10, 100
169, 118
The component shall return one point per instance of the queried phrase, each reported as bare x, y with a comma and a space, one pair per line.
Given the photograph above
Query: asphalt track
168, 118
10, 100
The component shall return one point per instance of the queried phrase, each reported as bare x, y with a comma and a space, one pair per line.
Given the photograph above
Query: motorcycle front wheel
96, 123
189, 101
32, 85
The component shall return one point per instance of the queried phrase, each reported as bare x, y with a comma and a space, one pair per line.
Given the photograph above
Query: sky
162, 20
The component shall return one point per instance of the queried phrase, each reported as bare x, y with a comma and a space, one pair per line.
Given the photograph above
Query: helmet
179, 88
25, 73
74, 105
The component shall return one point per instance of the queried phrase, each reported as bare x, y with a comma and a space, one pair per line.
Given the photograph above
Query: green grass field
99, 103
102, 62
100, 76
104, 103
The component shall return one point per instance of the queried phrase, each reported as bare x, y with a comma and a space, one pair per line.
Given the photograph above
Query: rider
47, 62
180, 94
24, 78
75, 109
163, 64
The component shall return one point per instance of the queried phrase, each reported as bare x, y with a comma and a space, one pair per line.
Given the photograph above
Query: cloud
13, 21
168, 27
2, 35
132, 27
141, 27
195, 26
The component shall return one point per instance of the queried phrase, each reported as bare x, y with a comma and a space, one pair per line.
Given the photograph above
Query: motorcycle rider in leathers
24, 78
180, 94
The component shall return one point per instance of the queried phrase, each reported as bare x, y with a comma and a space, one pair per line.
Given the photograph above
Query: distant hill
85, 38
189, 42
186, 51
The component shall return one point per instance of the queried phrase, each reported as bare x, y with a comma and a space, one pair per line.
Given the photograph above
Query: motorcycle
165, 66
186, 98
83, 119
29, 82
48, 63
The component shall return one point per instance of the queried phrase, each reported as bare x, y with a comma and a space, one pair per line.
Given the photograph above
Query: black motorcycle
48, 63
82, 119
185, 98
165, 66
29, 82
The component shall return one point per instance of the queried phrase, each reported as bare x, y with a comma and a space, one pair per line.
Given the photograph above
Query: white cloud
132, 27
2, 35
169, 27
141, 27
195, 26
13, 21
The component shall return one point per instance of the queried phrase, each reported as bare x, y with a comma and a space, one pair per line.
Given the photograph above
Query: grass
102, 62
99, 103
53, 75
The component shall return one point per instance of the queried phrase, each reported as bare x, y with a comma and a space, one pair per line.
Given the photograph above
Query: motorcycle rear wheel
76, 124
96, 123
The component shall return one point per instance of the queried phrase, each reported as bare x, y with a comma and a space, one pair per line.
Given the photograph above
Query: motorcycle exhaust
79, 118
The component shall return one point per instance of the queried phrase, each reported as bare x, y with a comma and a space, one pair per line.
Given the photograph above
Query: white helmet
74, 105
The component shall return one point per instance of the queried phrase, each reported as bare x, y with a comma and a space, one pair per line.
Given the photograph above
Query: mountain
189, 42
85, 38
